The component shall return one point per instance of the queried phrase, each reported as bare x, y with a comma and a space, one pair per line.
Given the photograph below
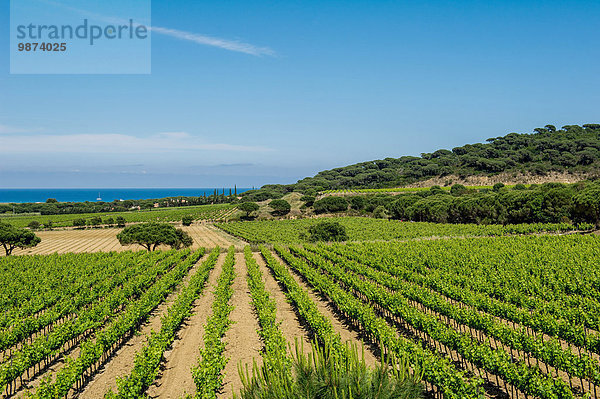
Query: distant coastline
22, 195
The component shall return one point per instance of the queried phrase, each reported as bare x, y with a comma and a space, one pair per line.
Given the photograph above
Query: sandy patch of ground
242, 343
105, 240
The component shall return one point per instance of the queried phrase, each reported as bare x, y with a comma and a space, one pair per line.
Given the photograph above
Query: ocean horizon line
36, 195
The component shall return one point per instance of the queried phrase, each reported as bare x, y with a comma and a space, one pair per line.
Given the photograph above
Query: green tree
308, 200
51, 201
327, 231
436, 190
248, 207
380, 212
331, 204
280, 207
184, 239
95, 221
588, 203
187, 220
109, 221
358, 202
151, 235
399, 209
34, 225
12, 237
120, 221
458, 189
79, 222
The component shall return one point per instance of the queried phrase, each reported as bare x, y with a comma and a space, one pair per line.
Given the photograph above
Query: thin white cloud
226, 44
231, 45
4, 129
116, 144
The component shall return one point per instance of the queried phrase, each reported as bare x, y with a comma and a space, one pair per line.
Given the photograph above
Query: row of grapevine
96, 350
365, 229
437, 370
528, 379
548, 351
198, 212
96, 286
558, 318
147, 360
208, 375
89, 320
319, 324
530, 272
275, 355
30, 282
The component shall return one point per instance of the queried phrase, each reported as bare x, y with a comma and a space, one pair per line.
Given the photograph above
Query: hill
568, 154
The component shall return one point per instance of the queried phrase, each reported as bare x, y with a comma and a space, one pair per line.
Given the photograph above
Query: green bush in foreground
327, 231
318, 375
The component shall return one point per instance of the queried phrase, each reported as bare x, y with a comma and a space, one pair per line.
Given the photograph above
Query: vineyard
199, 212
501, 316
368, 229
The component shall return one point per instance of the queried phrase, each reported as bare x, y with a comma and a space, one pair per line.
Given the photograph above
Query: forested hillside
571, 149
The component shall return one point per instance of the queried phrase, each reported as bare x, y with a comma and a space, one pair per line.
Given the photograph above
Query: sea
20, 195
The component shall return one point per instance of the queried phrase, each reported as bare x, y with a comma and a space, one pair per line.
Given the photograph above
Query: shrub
380, 213
327, 231
399, 208
79, 223
95, 221
331, 204
34, 225
120, 221
308, 200
187, 220
458, 189
358, 202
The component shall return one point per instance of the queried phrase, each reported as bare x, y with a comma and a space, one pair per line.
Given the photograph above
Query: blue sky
324, 84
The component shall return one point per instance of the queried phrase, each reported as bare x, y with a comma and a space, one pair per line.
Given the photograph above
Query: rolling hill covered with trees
570, 149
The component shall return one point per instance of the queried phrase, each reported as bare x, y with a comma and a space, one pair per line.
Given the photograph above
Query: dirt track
176, 379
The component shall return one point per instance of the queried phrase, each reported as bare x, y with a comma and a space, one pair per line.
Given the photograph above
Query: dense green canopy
572, 148
151, 235
12, 237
